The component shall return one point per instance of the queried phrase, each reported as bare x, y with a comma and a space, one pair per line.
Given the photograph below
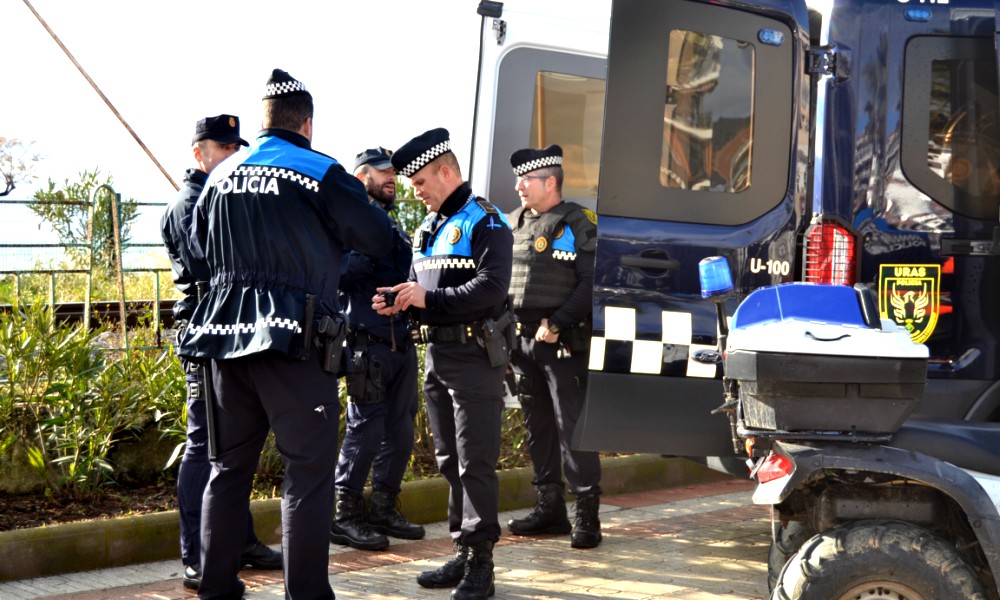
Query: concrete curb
90, 545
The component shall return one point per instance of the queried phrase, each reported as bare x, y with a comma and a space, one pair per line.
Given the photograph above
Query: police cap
529, 159
224, 129
283, 85
376, 157
416, 153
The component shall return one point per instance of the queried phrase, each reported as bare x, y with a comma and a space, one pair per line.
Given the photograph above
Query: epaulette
487, 206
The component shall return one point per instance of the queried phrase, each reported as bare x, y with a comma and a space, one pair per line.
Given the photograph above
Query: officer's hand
544, 335
379, 306
410, 294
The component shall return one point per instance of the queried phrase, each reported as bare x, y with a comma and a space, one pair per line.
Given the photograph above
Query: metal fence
36, 264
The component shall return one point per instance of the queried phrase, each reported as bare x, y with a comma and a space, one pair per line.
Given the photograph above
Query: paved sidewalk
695, 542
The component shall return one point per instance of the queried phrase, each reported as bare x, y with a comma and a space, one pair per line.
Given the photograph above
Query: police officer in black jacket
273, 225
459, 280
215, 139
552, 289
382, 389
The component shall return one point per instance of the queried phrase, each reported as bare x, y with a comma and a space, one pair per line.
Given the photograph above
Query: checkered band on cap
425, 157
282, 84
538, 163
285, 87
526, 160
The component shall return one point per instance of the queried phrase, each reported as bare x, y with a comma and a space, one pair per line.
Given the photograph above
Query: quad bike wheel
877, 560
788, 538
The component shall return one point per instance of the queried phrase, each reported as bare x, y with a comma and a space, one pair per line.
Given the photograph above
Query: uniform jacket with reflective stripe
273, 224
465, 265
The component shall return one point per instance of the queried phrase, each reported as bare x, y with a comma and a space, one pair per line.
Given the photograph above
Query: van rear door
706, 112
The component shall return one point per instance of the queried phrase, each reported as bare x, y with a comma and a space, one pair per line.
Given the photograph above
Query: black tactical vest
542, 278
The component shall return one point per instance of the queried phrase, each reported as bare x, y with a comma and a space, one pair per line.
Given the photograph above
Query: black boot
350, 525
449, 574
586, 525
548, 516
477, 583
385, 518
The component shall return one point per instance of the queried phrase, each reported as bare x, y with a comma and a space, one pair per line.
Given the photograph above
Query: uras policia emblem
910, 296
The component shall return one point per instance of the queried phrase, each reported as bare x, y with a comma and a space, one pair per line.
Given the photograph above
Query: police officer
273, 224
459, 280
215, 139
382, 389
552, 288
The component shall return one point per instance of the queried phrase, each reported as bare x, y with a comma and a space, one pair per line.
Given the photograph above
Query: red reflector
830, 254
774, 467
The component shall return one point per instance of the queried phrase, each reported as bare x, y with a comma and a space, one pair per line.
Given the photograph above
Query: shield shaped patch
910, 296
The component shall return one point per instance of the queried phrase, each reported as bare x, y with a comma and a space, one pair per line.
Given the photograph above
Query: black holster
497, 337
331, 333
364, 382
576, 339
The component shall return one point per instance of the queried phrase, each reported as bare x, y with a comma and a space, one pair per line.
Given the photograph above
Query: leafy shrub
65, 400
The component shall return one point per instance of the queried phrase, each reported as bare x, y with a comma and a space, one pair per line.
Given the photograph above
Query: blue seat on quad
965, 444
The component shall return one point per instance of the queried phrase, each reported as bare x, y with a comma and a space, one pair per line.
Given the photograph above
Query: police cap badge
418, 152
224, 129
529, 159
283, 85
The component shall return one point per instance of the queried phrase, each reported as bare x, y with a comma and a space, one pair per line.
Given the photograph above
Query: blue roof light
716, 279
920, 15
771, 37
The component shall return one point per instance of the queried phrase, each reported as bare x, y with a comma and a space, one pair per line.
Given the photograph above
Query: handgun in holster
496, 337
331, 332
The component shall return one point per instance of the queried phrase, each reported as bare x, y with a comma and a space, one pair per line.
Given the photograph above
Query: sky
380, 72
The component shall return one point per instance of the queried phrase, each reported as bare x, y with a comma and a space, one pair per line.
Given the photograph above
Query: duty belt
460, 333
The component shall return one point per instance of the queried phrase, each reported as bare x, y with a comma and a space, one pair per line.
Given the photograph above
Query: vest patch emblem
591, 215
541, 244
454, 235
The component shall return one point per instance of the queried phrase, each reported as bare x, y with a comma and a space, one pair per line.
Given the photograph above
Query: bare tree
17, 162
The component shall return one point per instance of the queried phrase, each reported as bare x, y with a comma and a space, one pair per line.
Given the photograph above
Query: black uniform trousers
464, 396
552, 401
379, 435
192, 476
298, 400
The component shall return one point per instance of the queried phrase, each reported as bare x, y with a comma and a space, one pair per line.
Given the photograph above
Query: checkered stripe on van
620, 351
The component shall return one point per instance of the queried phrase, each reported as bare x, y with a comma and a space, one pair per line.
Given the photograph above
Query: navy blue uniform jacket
273, 225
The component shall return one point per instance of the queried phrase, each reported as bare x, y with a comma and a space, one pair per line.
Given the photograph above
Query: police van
835, 141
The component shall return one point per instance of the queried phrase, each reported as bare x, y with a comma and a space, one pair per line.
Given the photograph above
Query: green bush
65, 400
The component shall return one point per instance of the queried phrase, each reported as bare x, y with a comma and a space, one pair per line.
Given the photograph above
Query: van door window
708, 115
569, 110
951, 146
699, 117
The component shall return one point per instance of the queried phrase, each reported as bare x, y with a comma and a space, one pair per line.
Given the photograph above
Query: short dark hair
287, 113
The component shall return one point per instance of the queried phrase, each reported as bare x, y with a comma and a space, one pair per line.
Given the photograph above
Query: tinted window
569, 110
708, 115
951, 148
545, 97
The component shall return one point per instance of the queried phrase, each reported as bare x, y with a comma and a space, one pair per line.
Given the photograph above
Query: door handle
638, 261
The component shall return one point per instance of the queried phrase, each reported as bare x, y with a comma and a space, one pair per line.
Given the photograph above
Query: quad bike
866, 502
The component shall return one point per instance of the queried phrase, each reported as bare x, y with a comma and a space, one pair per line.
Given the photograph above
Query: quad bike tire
788, 538
876, 560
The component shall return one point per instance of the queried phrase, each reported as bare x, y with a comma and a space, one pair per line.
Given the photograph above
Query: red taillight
774, 467
830, 254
